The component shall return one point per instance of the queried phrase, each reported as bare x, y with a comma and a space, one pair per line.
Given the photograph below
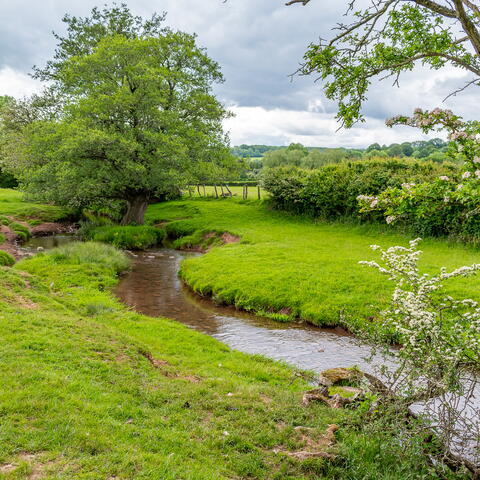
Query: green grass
129, 237
91, 390
6, 259
13, 205
291, 264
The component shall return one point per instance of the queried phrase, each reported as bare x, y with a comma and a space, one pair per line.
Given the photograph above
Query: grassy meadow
12, 204
288, 266
92, 390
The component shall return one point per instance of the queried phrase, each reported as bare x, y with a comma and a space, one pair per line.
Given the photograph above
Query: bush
78, 253
332, 191
6, 259
7, 180
441, 207
130, 237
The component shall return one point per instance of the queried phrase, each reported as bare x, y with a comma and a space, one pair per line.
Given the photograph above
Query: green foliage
332, 191
6, 259
437, 208
128, 237
290, 262
140, 123
7, 180
386, 39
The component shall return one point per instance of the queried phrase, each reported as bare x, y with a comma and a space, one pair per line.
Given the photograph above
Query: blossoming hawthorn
440, 337
443, 206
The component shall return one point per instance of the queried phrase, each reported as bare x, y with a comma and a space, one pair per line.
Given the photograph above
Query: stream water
153, 287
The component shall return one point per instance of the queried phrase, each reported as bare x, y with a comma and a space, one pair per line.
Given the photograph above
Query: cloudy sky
258, 44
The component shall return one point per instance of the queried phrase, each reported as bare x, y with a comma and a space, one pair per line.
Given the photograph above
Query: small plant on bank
440, 347
6, 260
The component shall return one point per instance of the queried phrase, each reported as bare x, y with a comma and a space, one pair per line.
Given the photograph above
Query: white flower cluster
372, 202
439, 338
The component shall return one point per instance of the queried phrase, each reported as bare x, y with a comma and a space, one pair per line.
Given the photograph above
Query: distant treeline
417, 149
257, 157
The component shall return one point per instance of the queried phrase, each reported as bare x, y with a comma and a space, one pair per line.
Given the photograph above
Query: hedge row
331, 191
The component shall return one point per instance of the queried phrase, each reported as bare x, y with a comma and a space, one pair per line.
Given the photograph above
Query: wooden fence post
259, 195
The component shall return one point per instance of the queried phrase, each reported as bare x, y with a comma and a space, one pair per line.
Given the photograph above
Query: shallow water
152, 287
52, 241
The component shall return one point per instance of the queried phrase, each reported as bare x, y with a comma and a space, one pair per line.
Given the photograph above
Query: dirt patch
37, 466
315, 445
51, 228
25, 303
229, 238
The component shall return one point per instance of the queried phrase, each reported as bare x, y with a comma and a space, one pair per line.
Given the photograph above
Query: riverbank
93, 390
288, 267
20, 220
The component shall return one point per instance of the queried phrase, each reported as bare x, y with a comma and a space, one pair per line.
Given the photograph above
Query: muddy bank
13, 243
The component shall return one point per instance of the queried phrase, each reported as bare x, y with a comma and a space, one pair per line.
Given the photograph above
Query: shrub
78, 253
441, 207
130, 237
332, 191
7, 180
6, 259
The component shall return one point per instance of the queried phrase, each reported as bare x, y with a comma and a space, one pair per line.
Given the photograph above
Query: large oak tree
128, 115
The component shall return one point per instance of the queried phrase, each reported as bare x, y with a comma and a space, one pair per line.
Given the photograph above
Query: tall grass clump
78, 253
130, 237
6, 260
22, 232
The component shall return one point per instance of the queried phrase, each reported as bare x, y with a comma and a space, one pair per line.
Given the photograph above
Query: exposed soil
52, 228
11, 244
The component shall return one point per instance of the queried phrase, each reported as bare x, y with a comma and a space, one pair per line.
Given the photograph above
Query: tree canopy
129, 115
388, 38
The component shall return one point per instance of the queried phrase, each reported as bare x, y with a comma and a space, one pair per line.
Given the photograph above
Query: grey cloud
258, 43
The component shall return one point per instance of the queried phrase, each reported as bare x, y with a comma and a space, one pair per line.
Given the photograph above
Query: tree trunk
135, 211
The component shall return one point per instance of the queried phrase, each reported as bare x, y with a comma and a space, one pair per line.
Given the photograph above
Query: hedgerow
331, 191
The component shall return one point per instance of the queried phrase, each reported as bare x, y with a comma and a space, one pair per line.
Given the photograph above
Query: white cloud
17, 84
311, 128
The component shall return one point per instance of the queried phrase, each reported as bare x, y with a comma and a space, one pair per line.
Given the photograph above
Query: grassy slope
287, 261
81, 399
12, 204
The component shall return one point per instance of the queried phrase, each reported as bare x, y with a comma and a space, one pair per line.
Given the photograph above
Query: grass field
288, 266
236, 192
12, 204
91, 390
